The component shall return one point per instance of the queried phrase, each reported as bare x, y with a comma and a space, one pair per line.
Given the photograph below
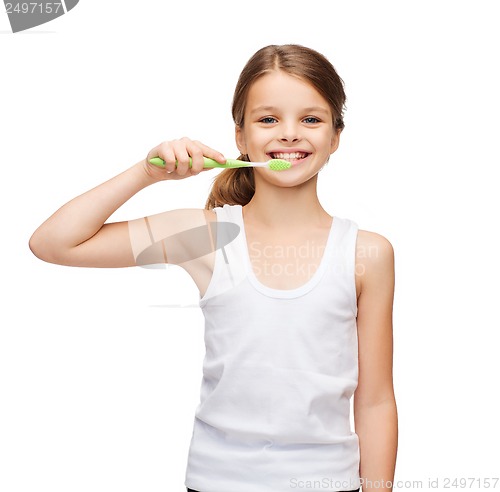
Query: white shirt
280, 369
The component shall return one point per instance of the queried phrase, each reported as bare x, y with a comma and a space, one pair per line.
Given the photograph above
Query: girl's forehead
279, 88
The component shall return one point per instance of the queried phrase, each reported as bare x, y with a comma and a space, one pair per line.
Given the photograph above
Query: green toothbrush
273, 164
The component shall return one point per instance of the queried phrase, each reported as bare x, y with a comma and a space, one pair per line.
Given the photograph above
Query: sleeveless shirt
279, 372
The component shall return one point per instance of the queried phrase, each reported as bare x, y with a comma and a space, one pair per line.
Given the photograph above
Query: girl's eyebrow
316, 109
313, 109
263, 108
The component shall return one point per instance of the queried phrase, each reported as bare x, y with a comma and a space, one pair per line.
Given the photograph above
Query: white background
98, 382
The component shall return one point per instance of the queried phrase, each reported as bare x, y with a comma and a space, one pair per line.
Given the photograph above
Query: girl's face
287, 118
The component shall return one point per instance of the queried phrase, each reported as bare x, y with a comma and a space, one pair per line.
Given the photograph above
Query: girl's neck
284, 208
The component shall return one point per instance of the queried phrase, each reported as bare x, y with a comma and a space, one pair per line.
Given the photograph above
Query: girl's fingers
209, 152
181, 155
178, 153
196, 154
169, 157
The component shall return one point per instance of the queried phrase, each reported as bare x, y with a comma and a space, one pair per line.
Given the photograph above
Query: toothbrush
273, 164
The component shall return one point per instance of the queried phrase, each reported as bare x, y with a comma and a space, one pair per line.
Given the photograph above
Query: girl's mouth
295, 158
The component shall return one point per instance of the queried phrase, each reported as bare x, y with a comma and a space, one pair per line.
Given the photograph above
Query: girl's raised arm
76, 234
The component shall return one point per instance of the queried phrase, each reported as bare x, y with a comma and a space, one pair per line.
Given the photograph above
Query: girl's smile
294, 156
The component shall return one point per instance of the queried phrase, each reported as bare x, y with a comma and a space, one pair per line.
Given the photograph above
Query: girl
297, 303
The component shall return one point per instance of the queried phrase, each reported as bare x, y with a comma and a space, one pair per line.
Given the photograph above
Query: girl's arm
375, 411
76, 234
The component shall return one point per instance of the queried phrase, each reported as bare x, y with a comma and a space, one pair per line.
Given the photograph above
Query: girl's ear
335, 141
240, 139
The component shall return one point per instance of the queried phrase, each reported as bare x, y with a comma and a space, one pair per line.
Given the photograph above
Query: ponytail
234, 186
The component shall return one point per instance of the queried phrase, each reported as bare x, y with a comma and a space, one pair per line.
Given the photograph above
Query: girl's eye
311, 119
268, 119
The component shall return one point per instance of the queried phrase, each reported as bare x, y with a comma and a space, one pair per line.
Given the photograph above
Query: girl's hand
180, 150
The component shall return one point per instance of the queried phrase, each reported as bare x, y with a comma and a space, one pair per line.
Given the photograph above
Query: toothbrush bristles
279, 165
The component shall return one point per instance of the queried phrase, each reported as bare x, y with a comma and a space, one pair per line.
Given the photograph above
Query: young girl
297, 303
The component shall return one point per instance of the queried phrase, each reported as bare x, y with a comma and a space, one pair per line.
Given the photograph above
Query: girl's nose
289, 133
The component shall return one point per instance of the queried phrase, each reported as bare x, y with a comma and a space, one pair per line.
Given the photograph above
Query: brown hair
237, 186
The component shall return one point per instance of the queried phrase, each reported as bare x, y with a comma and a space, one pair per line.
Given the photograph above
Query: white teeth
288, 155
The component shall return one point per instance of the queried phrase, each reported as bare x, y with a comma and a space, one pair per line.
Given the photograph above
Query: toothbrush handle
207, 163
